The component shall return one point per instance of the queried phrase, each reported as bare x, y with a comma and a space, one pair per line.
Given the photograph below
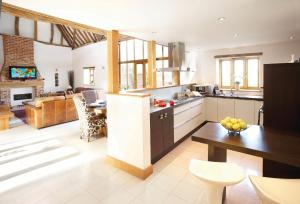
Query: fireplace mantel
18, 84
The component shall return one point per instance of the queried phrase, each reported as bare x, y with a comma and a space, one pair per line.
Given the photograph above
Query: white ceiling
191, 21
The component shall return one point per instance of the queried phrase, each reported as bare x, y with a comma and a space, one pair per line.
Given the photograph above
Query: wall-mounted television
22, 72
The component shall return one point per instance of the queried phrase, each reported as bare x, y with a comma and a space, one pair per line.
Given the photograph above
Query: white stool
275, 190
215, 176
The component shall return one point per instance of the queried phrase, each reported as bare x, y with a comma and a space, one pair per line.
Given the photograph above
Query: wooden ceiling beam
86, 40
35, 31
74, 38
64, 34
61, 38
52, 33
87, 36
26, 13
17, 20
69, 34
79, 38
92, 37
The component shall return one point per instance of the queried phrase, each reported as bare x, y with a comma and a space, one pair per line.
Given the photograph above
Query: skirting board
133, 170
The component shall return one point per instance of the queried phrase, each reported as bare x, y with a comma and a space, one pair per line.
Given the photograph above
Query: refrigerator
282, 96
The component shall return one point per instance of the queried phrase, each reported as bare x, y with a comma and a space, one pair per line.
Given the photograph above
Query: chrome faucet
231, 91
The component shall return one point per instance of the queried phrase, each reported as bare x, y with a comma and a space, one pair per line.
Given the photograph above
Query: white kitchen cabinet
257, 106
187, 117
244, 109
211, 108
225, 108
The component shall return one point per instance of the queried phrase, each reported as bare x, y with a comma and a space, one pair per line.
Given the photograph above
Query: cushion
89, 96
38, 101
58, 97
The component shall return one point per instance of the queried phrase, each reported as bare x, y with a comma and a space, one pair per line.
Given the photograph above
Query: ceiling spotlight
221, 19
292, 37
236, 35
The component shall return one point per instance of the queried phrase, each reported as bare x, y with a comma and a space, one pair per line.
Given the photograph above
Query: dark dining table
279, 149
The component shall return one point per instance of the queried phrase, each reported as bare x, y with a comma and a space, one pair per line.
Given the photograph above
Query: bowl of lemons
233, 125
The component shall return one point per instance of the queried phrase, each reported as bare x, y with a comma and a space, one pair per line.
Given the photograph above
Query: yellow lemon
223, 122
229, 126
236, 127
243, 125
233, 120
227, 119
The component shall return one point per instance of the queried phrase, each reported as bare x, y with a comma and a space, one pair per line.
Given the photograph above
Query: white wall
26, 28
48, 59
93, 55
129, 137
272, 53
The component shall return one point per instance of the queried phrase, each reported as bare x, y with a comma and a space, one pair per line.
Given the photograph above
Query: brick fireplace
18, 51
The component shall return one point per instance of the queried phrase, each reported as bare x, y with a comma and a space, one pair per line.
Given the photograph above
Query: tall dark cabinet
162, 133
282, 96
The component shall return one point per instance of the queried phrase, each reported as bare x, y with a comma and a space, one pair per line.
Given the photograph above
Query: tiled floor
53, 165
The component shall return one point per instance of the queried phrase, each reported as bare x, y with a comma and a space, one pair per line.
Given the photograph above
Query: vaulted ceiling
77, 38
191, 21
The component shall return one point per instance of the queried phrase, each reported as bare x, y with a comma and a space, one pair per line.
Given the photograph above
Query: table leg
218, 154
279, 170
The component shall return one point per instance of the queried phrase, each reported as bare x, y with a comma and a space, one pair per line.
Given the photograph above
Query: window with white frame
89, 75
242, 72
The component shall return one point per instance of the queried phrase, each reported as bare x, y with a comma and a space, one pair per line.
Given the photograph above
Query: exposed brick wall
18, 51
5, 96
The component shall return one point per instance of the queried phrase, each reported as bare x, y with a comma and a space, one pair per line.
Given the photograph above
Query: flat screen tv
22, 72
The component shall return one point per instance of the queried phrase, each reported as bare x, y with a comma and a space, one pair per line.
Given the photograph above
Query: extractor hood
176, 57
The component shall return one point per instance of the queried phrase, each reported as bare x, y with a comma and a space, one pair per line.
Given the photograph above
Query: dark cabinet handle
166, 115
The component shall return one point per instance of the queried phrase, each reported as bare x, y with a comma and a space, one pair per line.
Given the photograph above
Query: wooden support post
151, 64
113, 85
17, 20
52, 33
35, 30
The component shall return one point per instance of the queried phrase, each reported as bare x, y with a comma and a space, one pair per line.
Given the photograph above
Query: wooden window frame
143, 61
163, 58
232, 74
91, 75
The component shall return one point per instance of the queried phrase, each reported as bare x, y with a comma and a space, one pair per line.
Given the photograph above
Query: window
133, 62
163, 78
88, 75
243, 71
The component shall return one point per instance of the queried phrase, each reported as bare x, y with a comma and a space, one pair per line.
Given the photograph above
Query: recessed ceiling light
236, 35
292, 37
221, 19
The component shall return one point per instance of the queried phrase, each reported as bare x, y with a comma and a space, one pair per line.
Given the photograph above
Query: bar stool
215, 176
276, 190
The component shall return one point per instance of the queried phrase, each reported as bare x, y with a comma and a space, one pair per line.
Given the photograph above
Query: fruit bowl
233, 125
